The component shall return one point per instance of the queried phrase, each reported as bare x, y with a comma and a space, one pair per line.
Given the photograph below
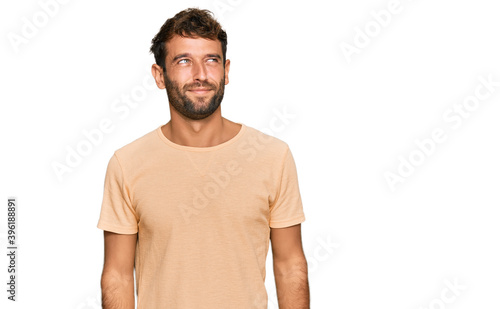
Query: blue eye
181, 61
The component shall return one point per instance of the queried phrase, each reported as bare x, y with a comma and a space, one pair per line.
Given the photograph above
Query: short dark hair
191, 23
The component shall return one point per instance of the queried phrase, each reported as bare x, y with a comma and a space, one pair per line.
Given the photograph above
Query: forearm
292, 284
117, 292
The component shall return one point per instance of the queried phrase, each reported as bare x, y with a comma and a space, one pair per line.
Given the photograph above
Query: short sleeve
117, 213
287, 208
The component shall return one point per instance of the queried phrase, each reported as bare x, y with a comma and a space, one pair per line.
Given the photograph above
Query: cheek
214, 70
179, 74
181, 80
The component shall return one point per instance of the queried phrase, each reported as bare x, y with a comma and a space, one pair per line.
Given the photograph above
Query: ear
226, 71
157, 72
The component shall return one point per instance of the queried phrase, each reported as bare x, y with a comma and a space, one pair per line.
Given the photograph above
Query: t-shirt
203, 216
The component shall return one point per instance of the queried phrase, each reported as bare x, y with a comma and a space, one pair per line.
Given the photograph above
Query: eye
213, 60
183, 61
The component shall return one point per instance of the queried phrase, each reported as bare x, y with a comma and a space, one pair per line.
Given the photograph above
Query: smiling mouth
200, 90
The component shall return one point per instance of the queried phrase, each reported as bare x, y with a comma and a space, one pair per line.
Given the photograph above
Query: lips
200, 90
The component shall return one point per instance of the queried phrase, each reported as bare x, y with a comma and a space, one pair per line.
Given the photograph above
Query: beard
202, 107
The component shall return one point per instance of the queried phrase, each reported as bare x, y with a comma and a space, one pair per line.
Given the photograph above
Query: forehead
195, 46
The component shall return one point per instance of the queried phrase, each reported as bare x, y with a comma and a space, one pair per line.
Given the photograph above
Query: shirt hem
287, 223
116, 229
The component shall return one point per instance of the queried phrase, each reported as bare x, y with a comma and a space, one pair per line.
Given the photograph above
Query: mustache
202, 84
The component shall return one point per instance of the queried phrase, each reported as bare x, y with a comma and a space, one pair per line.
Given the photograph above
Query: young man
193, 205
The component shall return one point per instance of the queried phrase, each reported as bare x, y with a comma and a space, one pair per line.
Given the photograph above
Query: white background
353, 122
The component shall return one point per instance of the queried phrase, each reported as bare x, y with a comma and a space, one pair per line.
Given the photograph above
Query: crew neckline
202, 149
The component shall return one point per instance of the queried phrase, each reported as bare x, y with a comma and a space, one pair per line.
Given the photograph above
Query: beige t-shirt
203, 216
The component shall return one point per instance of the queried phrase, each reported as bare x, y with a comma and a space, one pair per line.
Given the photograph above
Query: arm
290, 268
117, 281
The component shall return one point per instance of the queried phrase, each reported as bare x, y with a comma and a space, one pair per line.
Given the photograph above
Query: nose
199, 71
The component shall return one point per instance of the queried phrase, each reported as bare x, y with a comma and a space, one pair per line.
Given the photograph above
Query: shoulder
263, 143
138, 147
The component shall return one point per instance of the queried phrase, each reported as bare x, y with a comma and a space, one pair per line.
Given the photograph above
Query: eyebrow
188, 55
214, 56
180, 56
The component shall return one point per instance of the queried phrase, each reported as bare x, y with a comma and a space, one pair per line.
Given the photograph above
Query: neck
207, 132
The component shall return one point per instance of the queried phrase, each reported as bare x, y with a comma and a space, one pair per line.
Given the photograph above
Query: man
193, 204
